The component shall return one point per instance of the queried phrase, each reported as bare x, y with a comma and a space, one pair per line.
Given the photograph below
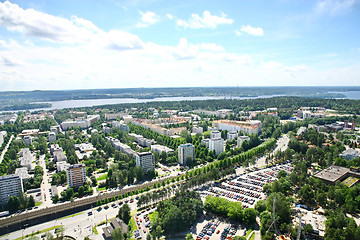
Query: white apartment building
186, 151
160, 148
83, 123
232, 135
198, 130
55, 129
146, 161
60, 166
120, 125
26, 158
241, 139
76, 175
246, 127
215, 134
10, 185
217, 145
206, 142
22, 173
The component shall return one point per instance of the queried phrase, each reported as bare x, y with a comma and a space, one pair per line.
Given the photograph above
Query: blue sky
162, 43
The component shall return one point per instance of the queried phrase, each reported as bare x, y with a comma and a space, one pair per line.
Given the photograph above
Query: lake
109, 101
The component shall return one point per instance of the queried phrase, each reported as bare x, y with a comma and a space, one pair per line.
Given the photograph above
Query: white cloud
205, 21
333, 7
238, 33
9, 62
256, 31
169, 16
57, 29
148, 18
285, 68
211, 47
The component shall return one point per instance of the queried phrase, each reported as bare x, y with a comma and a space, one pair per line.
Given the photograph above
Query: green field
102, 177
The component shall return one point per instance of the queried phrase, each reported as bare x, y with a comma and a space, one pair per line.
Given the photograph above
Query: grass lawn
101, 189
132, 223
70, 216
38, 204
39, 232
102, 177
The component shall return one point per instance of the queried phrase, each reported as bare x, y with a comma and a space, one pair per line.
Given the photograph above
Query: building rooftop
332, 173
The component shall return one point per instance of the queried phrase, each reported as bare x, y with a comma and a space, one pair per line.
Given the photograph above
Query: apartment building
215, 134
146, 160
241, 139
246, 127
186, 151
76, 175
10, 185
217, 145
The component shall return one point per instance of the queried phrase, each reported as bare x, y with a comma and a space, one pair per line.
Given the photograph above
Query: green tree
117, 234
31, 201
13, 204
189, 237
124, 213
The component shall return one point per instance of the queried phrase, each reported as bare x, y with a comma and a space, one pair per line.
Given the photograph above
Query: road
281, 145
77, 226
45, 185
6, 148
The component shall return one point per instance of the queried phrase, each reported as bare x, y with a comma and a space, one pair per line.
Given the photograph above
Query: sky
92, 44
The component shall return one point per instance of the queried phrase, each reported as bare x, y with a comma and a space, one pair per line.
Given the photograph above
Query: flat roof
332, 173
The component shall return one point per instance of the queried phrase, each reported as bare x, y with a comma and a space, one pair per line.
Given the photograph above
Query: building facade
241, 139
185, 152
10, 185
217, 145
76, 175
146, 161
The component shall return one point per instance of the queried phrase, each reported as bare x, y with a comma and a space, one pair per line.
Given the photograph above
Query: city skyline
130, 44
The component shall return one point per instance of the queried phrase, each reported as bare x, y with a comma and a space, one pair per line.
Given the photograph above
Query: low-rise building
146, 161
10, 185
61, 166
241, 139
160, 148
246, 127
76, 175
85, 147
198, 130
206, 142
350, 154
59, 155
27, 140
52, 137
217, 145
55, 129
120, 125
22, 173
81, 122
333, 174
186, 152
231, 135
26, 158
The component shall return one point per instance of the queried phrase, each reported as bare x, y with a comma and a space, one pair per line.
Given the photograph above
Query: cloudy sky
67, 44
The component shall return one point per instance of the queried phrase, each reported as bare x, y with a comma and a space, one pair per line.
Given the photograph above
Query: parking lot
143, 222
246, 188
214, 229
